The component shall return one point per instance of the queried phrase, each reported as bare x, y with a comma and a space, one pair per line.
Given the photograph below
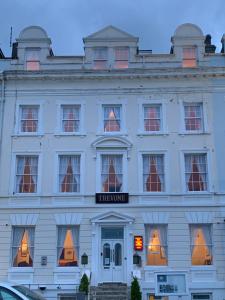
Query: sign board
170, 284
116, 198
138, 243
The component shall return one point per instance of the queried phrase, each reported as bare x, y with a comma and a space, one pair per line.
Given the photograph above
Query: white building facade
114, 154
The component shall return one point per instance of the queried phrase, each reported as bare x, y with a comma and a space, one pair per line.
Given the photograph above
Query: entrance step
109, 291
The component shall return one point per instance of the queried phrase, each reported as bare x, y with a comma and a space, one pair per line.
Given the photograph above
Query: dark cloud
68, 21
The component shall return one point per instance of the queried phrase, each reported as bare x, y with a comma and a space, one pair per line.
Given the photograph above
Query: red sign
138, 243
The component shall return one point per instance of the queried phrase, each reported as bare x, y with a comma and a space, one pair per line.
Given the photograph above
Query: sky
68, 21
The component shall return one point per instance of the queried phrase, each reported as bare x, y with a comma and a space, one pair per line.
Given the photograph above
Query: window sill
194, 132
28, 135
66, 269
59, 134
152, 133
203, 267
21, 270
113, 133
154, 268
25, 194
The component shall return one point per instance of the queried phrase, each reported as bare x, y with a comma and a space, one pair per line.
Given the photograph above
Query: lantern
84, 259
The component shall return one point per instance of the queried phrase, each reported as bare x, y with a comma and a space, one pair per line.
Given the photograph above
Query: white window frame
116, 60
199, 267
23, 269
82, 171
71, 102
28, 103
209, 177
141, 168
98, 169
105, 60
30, 49
196, 56
143, 103
13, 173
116, 102
205, 129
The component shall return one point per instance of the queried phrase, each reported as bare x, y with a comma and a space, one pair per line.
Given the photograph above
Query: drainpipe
2, 107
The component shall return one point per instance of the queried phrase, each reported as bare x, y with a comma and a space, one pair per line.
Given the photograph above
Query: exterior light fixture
84, 259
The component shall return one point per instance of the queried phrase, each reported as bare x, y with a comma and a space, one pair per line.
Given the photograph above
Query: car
13, 291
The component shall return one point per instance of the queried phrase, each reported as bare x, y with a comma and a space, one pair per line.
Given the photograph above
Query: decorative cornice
24, 219
155, 218
199, 217
68, 219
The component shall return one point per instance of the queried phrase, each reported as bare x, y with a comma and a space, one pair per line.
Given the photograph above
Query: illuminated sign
138, 243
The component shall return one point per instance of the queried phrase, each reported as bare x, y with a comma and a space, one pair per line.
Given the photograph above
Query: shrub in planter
135, 290
84, 283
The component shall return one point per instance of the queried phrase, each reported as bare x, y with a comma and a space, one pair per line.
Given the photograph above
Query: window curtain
70, 118
111, 172
29, 117
195, 166
121, 54
194, 234
162, 234
61, 238
27, 174
152, 118
153, 166
112, 118
208, 238
100, 53
75, 235
69, 171
18, 233
30, 232
206, 231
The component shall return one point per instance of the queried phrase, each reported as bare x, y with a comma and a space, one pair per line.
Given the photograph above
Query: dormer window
189, 57
121, 58
32, 59
100, 58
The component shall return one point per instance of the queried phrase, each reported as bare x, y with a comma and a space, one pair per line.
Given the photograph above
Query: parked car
10, 291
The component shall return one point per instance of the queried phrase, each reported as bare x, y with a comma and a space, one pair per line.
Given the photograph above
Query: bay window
26, 174
201, 244
111, 173
156, 245
68, 246
69, 174
196, 177
22, 246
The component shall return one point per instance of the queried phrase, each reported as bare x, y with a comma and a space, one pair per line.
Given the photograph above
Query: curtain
195, 167
111, 118
71, 116
152, 118
69, 173
61, 238
29, 119
194, 234
121, 53
75, 235
153, 169
27, 169
30, 232
163, 240
100, 53
18, 233
207, 235
111, 173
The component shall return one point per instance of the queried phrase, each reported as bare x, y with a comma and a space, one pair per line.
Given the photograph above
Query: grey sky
68, 21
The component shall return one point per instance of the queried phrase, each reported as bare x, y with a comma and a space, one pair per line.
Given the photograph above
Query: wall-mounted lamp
84, 259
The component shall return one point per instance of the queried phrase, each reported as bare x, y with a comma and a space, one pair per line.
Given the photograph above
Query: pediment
111, 142
112, 217
109, 33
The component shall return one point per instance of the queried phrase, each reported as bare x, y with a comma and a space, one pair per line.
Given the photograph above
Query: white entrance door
112, 255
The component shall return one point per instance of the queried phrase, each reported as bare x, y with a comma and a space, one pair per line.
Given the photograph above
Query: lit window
26, 174
112, 118
189, 57
29, 118
70, 118
201, 245
156, 245
111, 173
100, 58
23, 246
121, 58
32, 60
68, 246
153, 173
69, 173
152, 118
196, 172
154, 297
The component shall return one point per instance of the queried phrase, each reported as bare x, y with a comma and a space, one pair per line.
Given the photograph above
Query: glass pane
8, 295
118, 255
112, 233
106, 255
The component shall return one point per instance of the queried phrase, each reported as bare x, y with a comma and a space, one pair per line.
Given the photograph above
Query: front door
112, 256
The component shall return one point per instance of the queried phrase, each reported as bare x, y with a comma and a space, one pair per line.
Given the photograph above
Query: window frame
183, 170
56, 176
26, 61
98, 169
163, 125
123, 130
141, 172
210, 225
121, 60
14, 171
106, 60
18, 111
186, 60
64, 268
58, 129
145, 245
30, 268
